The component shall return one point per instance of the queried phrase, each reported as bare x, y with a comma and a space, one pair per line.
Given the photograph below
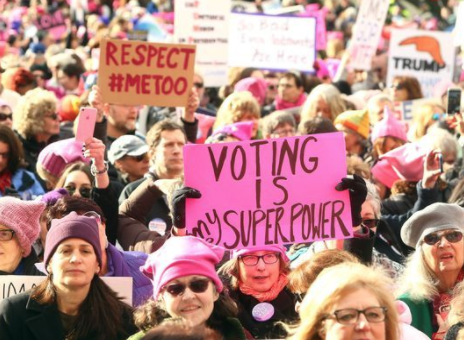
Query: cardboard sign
205, 23
11, 285
273, 43
366, 35
53, 23
142, 73
278, 191
427, 55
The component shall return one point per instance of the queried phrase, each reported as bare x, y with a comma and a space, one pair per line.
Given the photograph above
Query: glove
358, 192
178, 205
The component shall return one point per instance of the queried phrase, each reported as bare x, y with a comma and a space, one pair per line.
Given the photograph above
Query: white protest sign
272, 42
366, 35
427, 55
205, 24
11, 285
458, 32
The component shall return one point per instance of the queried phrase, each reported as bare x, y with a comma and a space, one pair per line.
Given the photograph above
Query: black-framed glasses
371, 222
350, 316
252, 260
6, 234
4, 116
84, 191
453, 236
196, 286
198, 85
53, 116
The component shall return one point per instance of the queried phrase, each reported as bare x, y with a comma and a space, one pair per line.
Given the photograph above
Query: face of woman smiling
194, 308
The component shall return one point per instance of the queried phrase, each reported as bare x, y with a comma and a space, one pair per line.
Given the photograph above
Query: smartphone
454, 101
440, 162
86, 123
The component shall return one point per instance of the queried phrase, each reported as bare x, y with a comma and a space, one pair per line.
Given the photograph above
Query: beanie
183, 256
72, 226
69, 107
242, 130
256, 86
56, 156
389, 126
23, 217
271, 248
356, 120
405, 162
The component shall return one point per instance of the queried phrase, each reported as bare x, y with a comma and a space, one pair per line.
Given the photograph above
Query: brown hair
154, 134
15, 148
411, 85
78, 166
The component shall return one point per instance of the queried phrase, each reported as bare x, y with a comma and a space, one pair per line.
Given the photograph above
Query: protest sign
138, 73
458, 36
205, 23
277, 191
366, 35
11, 285
427, 55
273, 43
53, 23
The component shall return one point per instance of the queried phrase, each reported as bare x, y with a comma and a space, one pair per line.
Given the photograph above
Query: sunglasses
85, 192
451, 236
139, 158
398, 87
198, 85
371, 223
4, 116
53, 116
196, 286
271, 87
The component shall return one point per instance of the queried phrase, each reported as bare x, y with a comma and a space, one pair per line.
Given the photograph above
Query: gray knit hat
436, 217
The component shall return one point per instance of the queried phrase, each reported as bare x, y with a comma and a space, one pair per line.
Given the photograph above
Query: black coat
22, 318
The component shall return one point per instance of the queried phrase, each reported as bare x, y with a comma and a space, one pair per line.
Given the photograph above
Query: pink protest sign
52, 22
278, 191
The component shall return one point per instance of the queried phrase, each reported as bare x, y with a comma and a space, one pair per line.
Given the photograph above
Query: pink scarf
265, 296
280, 104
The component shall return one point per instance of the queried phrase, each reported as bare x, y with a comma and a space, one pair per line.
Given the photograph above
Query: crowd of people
115, 205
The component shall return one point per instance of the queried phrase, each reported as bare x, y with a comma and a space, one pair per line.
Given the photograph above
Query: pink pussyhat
256, 86
241, 130
271, 248
389, 126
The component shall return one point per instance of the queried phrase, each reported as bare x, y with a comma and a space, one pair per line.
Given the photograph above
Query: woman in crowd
6, 114
456, 315
12, 174
239, 107
348, 301
36, 122
258, 279
424, 117
77, 180
405, 88
186, 286
19, 228
73, 302
435, 267
323, 101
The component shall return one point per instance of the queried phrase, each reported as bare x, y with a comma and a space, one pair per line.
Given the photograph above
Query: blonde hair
330, 95
235, 107
423, 119
331, 286
28, 116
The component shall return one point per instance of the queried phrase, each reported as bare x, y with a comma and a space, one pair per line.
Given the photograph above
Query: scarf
280, 104
265, 296
5, 181
442, 305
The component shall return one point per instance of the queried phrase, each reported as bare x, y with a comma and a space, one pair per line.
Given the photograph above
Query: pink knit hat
256, 86
22, 217
241, 130
403, 163
389, 126
56, 156
183, 256
271, 247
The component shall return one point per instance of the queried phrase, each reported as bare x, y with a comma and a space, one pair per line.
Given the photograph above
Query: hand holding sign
178, 205
358, 192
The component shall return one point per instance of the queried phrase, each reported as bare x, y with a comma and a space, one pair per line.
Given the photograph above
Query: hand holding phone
454, 101
440, 162
86, 124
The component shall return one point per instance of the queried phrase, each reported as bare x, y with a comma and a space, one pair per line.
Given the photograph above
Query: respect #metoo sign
278, 191
138, 73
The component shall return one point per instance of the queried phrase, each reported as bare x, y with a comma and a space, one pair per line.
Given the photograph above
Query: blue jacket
26, 184
127, 264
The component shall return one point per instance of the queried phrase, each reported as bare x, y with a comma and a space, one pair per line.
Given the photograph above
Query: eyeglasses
196, 286
285, 132
451, 236
398, 87
93, 214
85, 192
198, 85
252, 260
138, 158
287, 86
371, 223
7, 234
350, 316
4, 116
53, 116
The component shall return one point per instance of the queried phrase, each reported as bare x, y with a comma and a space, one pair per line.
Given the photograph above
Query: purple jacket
127, 264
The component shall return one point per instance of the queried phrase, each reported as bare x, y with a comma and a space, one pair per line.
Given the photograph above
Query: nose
443, 241
260, 265
75, 257
188, 294
362, 323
